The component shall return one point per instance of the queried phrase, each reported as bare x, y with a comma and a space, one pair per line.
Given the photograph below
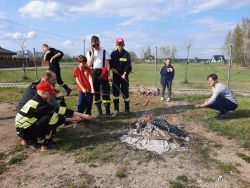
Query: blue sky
64, 24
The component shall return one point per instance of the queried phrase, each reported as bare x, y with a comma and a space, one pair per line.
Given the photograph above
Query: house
6, 53
218, 59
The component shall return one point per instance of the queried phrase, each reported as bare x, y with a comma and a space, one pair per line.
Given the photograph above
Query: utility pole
186, 71
34, 56
84, 51
229, 65
155, 64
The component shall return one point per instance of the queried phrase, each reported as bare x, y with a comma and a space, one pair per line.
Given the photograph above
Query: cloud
43, 9
18, 35
68, 43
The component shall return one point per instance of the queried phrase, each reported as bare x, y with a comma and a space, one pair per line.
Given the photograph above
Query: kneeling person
222, 98
38, 119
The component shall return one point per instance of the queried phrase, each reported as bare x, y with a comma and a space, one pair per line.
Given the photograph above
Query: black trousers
223, 105
40, 129
54, 66
120, 85
167, 84
101, 85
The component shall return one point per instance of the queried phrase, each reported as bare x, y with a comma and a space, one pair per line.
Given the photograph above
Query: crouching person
38, 119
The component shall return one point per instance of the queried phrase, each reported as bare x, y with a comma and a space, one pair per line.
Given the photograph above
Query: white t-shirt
98, 57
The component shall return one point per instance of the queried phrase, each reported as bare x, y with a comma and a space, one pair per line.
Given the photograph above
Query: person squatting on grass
53, 56
167, 75
222, 98
37, 119
84, 84
121, 66
31, 91
98, 59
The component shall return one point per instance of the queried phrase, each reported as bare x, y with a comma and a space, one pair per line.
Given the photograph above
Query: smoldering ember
155, 135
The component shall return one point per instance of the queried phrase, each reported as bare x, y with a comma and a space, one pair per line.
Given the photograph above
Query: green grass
18, 159
120, 174
227, 167
244, 157
144, 75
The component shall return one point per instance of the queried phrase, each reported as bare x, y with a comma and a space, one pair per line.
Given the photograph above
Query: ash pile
155, 135
147, 91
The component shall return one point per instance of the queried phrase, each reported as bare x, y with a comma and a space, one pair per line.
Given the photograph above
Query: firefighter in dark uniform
121, 66
53, 56
98, 60
38, 119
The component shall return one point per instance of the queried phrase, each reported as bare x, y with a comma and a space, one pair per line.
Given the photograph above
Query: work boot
99, 109
107, 107
127, 108
67, 89
116, 107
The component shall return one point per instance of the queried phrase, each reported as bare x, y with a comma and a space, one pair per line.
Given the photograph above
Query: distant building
6, 53
218, 59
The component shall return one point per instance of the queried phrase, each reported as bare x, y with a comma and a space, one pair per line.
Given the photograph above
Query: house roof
6, 52
219, 57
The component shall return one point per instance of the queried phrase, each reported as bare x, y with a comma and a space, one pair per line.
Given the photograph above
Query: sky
65, 24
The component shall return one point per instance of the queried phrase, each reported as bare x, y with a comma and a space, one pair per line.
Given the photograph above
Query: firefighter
38, 119
98, 60
54, 56
121, 66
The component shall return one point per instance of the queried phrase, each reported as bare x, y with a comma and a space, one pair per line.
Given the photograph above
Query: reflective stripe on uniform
127, 100
123, 59
98, 101
62, 110
26, 107
24, 122
54, 119
106, 101
115, 98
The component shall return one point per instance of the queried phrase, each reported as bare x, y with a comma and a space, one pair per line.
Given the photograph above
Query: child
38, 119
84, 84
167, 76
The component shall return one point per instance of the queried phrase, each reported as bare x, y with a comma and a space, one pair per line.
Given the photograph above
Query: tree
164, 52
245, 29
238, 45
133, 55
228, 42
173, 52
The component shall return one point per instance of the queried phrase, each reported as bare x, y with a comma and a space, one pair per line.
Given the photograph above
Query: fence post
229, 65
155, 65
34, 57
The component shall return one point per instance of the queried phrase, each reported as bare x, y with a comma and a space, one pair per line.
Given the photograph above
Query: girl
167, 76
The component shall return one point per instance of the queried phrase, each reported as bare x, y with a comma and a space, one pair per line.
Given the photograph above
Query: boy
53, 56
37, 119
84, 84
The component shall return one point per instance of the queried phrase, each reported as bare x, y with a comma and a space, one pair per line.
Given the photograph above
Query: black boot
116, 106
107, 107
99, 109
127, 109
67, 89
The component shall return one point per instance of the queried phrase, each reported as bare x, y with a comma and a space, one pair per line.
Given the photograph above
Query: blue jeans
223, 105
85, 102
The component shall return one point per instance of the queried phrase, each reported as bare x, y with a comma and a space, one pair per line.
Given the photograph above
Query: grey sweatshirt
222, 90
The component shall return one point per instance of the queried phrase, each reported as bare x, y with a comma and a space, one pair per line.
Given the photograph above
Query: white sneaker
162, 98
168, 99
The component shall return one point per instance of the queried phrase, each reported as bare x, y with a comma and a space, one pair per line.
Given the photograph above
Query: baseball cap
46, 86
119, 41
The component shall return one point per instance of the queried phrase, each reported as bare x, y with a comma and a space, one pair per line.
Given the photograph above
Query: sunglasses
95, 45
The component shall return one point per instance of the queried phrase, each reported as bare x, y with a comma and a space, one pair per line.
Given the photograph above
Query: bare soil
61, 169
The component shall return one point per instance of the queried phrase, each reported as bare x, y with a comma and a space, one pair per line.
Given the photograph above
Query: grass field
144, 75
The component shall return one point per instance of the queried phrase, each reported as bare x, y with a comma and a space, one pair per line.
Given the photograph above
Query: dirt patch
138, 169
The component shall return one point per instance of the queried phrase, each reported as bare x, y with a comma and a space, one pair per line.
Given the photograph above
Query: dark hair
169, 59
45, 45
95, 39
81, 59
213, 76
47, 74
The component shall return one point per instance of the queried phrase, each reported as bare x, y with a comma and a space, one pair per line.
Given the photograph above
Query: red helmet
119, 41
